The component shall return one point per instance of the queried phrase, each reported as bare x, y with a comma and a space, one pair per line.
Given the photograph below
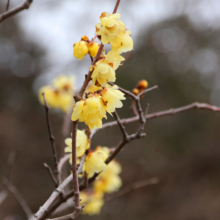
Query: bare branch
116, 6
121, 126
15, 10
171, 111
51, 174
10, 163
47, 209
7, 6
3, 196
77, 209
18, 197
51, 137
132, 187
147, 90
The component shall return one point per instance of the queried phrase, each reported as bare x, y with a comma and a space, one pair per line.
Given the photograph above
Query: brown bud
84, 38
143, 84
135, 91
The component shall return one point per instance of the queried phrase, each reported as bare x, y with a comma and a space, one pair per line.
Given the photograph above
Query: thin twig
121, 126
3, 196
7, 5
15, 10
116, 6
132, 187
10, 163
51, 137
77, 208
51, 174
18, 197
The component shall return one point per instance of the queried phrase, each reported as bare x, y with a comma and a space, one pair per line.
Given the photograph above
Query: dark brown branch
51, 137
51, 174
171, 111
132, 187
7, 5
15, 10
116, 6
121, 126
18, 197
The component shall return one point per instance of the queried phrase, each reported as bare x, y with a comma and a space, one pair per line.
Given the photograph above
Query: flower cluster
112, 30
81, 48
92, 109
107, 182
59, 95
100, 98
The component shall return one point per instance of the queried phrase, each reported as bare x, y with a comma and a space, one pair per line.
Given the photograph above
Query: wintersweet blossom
114, 58
60, 93
64, 83
123, 42
113, 31
82, 143
95, 161
112, 98
103, 73
109, 27
93, 201
90, 110
80, 49
93, 48
109, 180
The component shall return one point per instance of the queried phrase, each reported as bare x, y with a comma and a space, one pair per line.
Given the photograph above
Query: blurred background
176, 46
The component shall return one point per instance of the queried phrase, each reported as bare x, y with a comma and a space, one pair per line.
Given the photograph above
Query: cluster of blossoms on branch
59, 94
98, 99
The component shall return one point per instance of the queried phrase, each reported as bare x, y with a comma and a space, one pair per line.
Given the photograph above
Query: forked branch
13, 11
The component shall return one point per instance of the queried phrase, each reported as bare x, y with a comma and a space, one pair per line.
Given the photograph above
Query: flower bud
80, 49
93, 48
142, 84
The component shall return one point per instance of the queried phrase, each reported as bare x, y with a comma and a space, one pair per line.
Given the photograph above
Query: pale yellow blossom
103, 73
112, 97
95, 161
82, 143
93, 202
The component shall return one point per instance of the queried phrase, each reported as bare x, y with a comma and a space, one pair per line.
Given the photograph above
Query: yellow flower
93, 202
56, 98
82, 143
109, 181
80, 49
109, 27
92, 88
60, 93
95, 161
114, 58
113, 31
64, 83
112, 97
91, 111
93, 48
122, 43
103, 73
